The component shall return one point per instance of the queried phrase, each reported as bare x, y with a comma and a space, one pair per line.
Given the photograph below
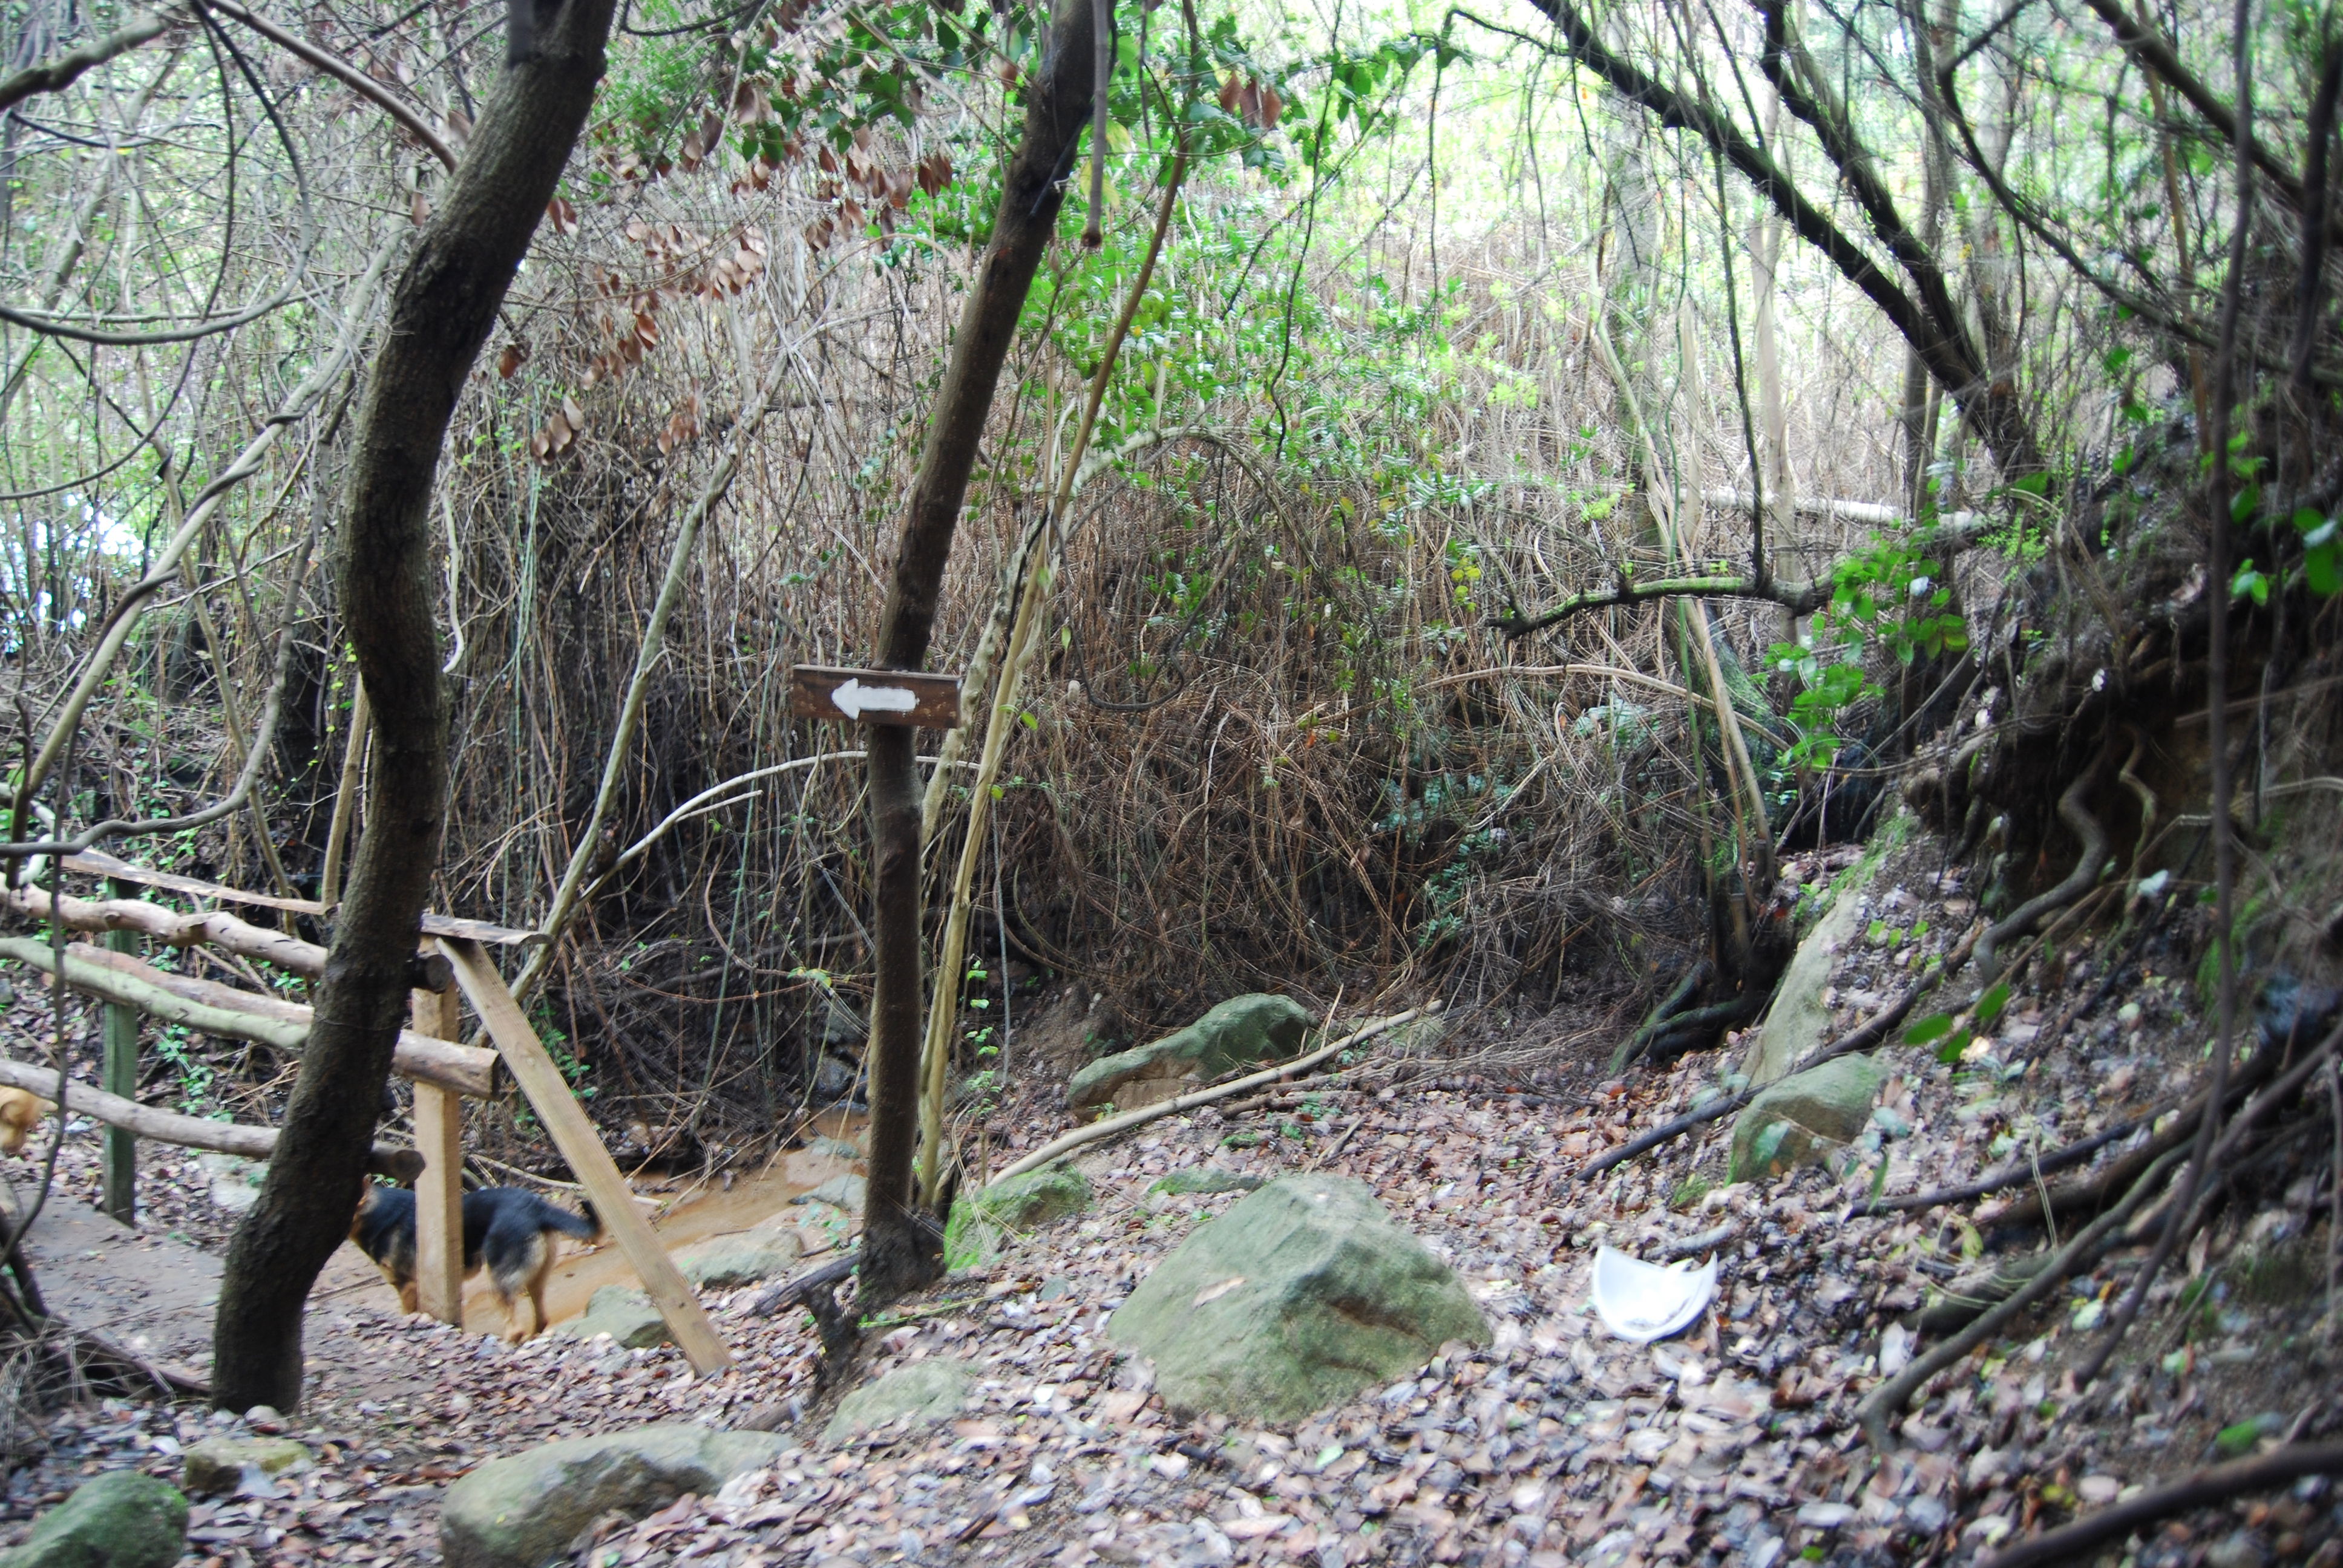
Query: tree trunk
901, 1250
446, 303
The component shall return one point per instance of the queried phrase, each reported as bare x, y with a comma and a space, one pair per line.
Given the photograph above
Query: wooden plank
574, 1135
904, 697
482, 932
118, 1152
439, 1191
98, 863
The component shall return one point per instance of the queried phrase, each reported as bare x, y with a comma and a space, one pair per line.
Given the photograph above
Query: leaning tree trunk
901, 1248
446, 303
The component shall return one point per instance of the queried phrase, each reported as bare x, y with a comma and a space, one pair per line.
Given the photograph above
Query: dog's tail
585, 1227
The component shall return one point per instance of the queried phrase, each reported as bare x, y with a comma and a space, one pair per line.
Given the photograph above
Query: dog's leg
409, 1297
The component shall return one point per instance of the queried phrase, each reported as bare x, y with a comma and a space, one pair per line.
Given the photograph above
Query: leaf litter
1732, 1442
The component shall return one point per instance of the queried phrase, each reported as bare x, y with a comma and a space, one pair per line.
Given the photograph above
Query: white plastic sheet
1643, 1301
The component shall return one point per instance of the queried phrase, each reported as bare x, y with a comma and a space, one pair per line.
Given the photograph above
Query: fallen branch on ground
2075, 1543
1147, 1113
1884, 1403
815, 1291
186, 1132
2011, 1175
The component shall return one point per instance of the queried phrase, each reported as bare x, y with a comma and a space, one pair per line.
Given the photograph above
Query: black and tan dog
507, 1228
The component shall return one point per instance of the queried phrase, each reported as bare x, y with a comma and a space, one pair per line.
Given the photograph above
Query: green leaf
1935, 1026
1949, 1053
1769, 1144
1989, 1006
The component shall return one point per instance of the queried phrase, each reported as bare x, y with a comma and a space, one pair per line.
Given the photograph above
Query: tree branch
342, 70
63, 71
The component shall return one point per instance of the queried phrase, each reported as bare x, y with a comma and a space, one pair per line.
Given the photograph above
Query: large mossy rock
981, 1221
119, 1520
1815, 1111
1297, 1298
1242, 1031
920, 1394
523, 1512
1799, 1021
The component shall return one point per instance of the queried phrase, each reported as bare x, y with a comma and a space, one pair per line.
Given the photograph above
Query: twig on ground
2075, 1543
1884, 1403
2012, 1175
1147, 1113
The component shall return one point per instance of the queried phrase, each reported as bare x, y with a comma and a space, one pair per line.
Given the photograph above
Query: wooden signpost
911, 697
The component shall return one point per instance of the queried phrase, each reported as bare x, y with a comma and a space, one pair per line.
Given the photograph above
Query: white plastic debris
1643, 1301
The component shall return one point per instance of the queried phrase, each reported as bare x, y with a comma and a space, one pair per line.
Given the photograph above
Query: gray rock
1297, 1298
1205, 1178
920, 1394
119, 1520
626, 1316
523, 1512
834, 1149
840, 1192
1797, 1022
1814, 1110
240, 1466
1240, 1032
729, 1262
981, 1222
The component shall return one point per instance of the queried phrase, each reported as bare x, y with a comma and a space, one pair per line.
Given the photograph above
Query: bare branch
63, 71
342, 70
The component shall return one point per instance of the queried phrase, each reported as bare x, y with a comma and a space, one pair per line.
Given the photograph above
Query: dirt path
157, 1295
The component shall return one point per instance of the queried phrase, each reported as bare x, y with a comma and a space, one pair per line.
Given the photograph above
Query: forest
861, 781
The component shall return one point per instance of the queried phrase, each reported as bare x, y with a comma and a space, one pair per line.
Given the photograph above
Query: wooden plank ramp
574, 1135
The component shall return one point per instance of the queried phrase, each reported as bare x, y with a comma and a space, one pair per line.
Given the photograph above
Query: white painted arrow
854, 699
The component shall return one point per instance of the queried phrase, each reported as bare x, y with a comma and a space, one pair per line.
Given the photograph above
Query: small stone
981, 1222
626, 1316
763, 1418
844, 1192
240, 1466
2239, 1549
1239, 1032
2099, 1491
1926, 1514
920, 1394
1794, 1121
729, 1262
119, 1520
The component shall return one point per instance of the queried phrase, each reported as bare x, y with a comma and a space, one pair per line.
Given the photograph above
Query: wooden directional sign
906, 696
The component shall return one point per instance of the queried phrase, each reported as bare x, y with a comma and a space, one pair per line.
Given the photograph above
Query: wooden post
119, 1154
439, 1191
579, 1144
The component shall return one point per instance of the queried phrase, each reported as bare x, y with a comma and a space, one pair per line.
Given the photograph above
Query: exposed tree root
2081, 881
2076, 1543
1887, 1401
1860, 1037
2012, 1175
